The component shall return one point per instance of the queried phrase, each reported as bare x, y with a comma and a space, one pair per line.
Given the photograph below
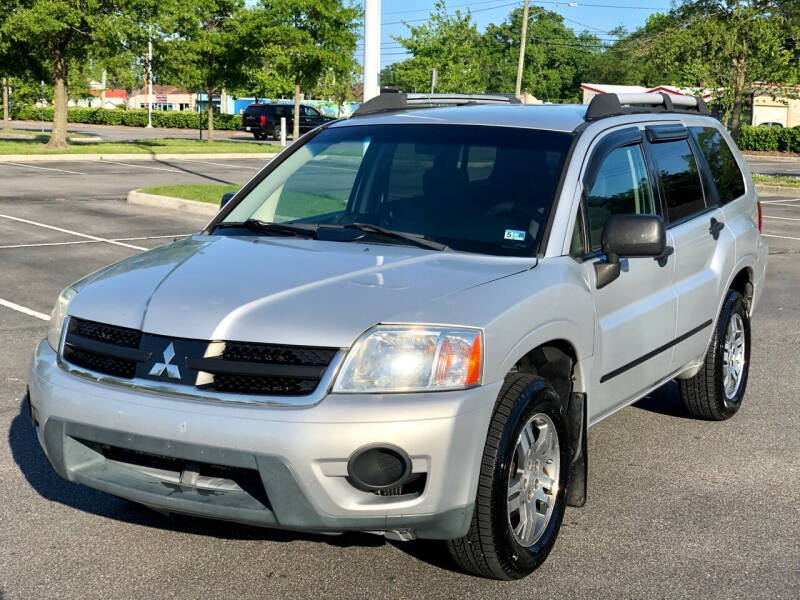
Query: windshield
471, 188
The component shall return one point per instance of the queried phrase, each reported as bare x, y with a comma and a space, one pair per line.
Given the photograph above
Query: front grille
282, 355
240, 368
109, 365
270, 385
110, 334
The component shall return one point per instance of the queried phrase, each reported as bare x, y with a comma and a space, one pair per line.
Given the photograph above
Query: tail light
263, 119
759, 216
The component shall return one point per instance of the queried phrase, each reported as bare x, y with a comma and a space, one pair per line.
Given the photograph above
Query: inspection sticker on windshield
515, 234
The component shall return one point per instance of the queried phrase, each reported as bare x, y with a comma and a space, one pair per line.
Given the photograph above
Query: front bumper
296, 456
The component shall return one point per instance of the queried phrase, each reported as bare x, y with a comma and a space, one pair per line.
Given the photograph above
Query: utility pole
103, 81
434, 79
6, 123
372, 48
523, 39
150, 79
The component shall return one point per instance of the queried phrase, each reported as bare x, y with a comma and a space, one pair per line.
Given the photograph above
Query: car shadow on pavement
40, 475
664, 401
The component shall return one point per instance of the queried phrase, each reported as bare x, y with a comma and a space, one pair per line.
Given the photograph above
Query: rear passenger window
724, 169
679, 178
621, 187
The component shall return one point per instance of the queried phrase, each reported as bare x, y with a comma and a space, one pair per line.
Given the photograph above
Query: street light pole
523, 39
372, 48
150, 80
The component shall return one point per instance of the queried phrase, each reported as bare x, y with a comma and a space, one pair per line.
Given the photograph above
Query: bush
132, 117
769, 138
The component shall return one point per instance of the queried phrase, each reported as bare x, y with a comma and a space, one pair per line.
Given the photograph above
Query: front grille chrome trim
185, 392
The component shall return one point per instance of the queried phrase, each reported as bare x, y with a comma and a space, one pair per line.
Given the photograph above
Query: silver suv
405, 323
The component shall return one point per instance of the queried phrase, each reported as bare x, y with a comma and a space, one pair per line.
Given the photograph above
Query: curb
776, 190
99, 157
171, 203
771, 157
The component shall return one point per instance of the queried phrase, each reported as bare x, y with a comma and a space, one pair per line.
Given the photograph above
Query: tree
60, 31
302, 39
727, 46
204, 51
556, 59
628, 60
339, 85
451, 44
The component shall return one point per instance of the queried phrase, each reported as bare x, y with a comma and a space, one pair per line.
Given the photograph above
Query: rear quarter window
680, 179
722, 163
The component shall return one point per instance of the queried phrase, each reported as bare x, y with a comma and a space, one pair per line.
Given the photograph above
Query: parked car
264, 120
771, 124
406, 322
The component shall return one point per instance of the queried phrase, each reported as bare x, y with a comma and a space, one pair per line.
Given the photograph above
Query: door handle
715, 228
664, 256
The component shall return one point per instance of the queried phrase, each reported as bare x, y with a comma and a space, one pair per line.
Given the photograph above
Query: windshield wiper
399, 235
282, 228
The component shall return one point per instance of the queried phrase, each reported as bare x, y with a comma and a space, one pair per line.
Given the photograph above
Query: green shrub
759, 138
136, 117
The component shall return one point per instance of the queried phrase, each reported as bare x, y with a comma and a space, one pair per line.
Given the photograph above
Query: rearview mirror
630, 236
226, 198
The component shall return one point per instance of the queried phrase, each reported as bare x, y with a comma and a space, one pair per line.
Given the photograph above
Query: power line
451, 14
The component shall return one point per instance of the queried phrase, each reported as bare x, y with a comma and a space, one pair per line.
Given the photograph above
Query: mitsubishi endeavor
405, 323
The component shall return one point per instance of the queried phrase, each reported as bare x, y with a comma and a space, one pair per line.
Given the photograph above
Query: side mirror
226, 198
630, 236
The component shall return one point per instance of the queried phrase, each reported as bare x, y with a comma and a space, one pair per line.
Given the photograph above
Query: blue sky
595, 16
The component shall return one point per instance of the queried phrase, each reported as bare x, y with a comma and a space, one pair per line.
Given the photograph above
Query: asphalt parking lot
677, 508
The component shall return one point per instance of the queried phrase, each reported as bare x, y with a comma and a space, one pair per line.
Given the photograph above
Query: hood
278, 290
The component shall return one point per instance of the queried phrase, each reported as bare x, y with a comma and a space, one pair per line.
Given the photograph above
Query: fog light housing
378, 467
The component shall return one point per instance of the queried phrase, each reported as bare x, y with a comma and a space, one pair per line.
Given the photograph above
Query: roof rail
612, 105
390, 99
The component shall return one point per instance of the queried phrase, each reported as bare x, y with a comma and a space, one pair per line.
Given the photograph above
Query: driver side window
622, 186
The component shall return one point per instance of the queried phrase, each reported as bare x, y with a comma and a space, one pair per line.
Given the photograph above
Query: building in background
776, 104
165, 97
590, 90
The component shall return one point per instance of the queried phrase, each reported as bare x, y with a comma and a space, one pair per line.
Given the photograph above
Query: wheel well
743, 283
553, 361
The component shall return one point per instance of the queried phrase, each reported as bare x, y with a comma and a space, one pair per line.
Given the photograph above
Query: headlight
58, 315
402, 358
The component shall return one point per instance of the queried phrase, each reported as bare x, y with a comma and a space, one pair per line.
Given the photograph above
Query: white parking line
783, 237
24, 310
114, 162
83, 235
43, 168
780, 218
130, 239
206, 162
780, 201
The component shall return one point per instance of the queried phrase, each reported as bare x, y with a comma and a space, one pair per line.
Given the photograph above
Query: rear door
309, 118
696, 225
636, 313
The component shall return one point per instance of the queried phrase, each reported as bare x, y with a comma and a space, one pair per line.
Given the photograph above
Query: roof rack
390, 99
612, 105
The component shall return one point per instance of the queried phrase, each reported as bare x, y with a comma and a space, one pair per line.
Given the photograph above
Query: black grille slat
110, 334
242, 367
102, 364
271, 386
282, 355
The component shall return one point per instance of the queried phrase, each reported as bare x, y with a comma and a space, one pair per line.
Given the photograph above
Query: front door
636, 313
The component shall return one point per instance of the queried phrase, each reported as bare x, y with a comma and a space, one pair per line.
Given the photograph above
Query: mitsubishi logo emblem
172, 370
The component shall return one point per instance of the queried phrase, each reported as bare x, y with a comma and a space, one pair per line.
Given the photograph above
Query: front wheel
716, 392
523, 478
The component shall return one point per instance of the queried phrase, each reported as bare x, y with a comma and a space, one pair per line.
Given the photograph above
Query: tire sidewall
734, 304
537, 397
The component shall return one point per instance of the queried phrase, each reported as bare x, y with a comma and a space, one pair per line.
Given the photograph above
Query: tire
491, 548
276, 132
705, 395
258, 136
